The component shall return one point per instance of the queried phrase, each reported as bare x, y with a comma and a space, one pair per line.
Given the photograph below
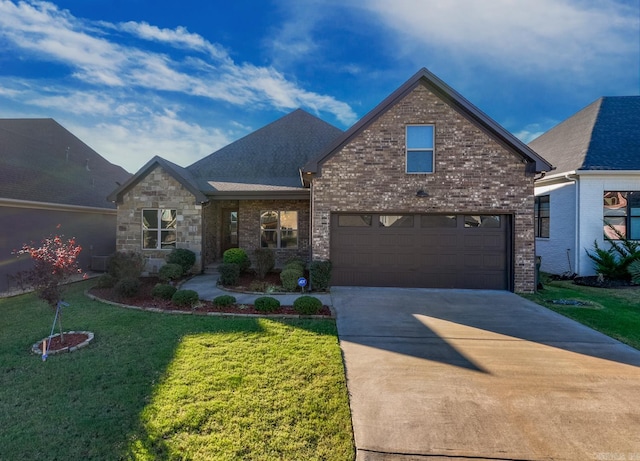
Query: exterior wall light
422, 193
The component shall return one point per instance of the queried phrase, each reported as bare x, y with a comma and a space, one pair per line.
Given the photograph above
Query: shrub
163, 291
127, 287
183, 257
634, 271
224, 300
229, 273
170, 271
265, 261
237, 256
295, 263
289, 278
125, 264
106, 281
320, 275
185, 298
266, 304
614, 262
307, 305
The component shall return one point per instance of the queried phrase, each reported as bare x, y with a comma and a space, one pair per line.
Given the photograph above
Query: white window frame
431, 149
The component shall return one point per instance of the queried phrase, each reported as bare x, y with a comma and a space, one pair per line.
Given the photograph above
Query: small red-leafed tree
55, 261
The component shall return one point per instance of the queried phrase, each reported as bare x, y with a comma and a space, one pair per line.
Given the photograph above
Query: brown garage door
421, 250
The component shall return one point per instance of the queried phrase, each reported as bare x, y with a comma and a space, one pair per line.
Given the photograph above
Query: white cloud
179, 37
55, 35
565, 36
133, 144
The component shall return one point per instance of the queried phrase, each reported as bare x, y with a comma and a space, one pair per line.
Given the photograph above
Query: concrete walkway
207, 287
477, 375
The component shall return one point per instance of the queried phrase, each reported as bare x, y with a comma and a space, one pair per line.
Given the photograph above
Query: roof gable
41, 161
456, 101
602, 136
269, 158
175, 171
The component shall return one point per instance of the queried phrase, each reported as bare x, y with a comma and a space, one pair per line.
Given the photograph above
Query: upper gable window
420, 149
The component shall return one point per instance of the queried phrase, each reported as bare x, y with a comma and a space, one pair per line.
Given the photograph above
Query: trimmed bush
127, 287
266, 304
320, 275
289, 278
125, 264
295, 263
307, 305
185, 298
237, 256
634, 271
106, 281
183, 257
224, 300
170, 271
265, 261
229, 273
163, 291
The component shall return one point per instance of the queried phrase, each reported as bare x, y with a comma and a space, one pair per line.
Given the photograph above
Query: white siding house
596, 152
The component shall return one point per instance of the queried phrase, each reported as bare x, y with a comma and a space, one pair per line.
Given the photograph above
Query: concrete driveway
459, 375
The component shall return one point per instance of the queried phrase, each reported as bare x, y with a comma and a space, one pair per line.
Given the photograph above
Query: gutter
29, 204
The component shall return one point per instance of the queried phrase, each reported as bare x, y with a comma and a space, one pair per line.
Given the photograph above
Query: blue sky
136, 78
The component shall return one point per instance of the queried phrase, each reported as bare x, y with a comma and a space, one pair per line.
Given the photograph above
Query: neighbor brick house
424, 191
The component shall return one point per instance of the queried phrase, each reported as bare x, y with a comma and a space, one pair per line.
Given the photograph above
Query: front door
229, 228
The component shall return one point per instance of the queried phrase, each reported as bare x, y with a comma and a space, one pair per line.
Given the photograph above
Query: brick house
424, 191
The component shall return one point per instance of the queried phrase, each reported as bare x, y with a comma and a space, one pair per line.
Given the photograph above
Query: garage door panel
427, 254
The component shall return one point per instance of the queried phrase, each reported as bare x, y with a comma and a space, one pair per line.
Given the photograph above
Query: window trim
278, 230
431, 149
538, 219
158, 229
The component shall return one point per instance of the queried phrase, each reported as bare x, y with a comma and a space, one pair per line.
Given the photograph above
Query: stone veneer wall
249, 227
473, 173
159, 190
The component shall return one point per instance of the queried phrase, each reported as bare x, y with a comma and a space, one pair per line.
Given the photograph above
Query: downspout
576, 243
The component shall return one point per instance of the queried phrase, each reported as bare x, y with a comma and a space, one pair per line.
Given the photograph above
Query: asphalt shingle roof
270, 158
605, 135
41, 161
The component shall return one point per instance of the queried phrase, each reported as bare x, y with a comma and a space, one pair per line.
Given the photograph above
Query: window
621, 214
430, 221
395, 221
159, 229
419, 149
354, 220
472, 221
541, 214
279, 229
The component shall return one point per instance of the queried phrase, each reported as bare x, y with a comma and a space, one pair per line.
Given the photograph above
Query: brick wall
159, 190
249, 226
473, 173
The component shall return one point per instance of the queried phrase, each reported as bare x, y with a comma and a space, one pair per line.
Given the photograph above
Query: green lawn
154, 386
614, 312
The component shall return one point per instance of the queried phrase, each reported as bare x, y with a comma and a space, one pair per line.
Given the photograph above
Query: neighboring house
424, 191
596, 182
50, 178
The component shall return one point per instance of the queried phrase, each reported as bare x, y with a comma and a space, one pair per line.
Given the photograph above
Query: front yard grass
154, 386
613, 311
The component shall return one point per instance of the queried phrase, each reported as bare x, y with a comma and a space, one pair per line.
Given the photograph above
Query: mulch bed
144, 300
595, 281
